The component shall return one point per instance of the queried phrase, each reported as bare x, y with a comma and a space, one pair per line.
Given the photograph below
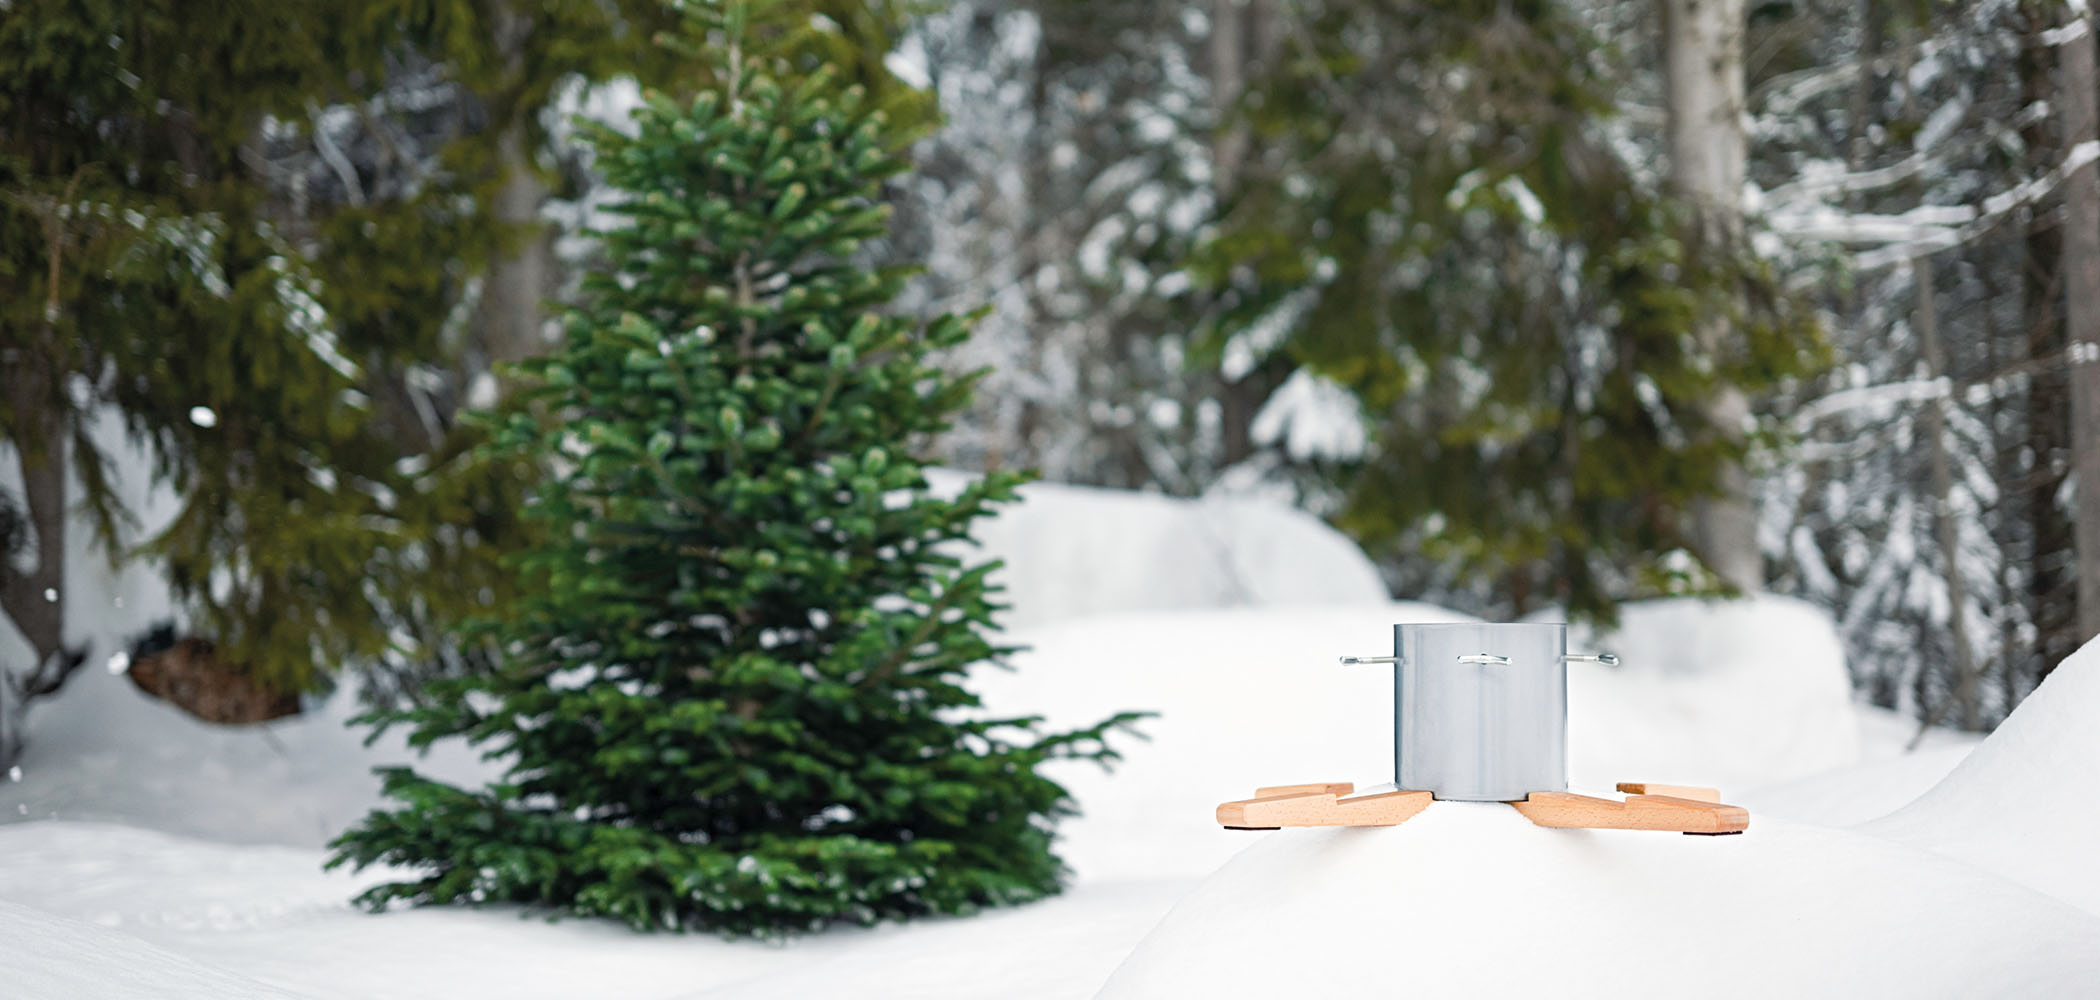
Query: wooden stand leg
1694, 792
1705, 814
1326, 804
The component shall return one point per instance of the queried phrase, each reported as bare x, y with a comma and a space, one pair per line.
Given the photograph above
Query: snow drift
1470, 899
101, 750
104, 750
2021, 805
1986, 886
1073, 551
1249, 693
1716, 693
50, 956
1254, 696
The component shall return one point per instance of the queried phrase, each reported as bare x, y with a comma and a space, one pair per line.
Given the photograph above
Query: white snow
1312, 417
1072, 551
146, 854
52, 956
1729, 694
103, 607
1469, 900
1891, 774
2022, 804
104, 750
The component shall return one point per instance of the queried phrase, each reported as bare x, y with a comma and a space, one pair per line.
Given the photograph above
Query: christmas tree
732, 696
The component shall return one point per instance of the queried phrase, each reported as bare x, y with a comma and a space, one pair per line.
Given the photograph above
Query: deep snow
1074, 551
149, 854
2022, 805
1986, 886
1470, 899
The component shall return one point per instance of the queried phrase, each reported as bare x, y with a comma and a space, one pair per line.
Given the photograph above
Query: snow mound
1072, 551
1255, 697
1245, 697
272, 914
2021, 804
1057, 949
1718, 693
104, 750
190, 920
1470, 899
1853, 795
47, 956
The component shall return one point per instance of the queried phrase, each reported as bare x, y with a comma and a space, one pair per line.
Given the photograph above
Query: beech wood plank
1567, 810
1326, 787
1323, 809
1674, 791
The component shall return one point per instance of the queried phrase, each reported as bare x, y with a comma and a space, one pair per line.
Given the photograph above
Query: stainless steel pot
1480, 710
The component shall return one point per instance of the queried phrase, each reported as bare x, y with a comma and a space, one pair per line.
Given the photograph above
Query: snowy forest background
1546, 303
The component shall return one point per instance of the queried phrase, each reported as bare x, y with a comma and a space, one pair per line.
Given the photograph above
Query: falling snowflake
203, 416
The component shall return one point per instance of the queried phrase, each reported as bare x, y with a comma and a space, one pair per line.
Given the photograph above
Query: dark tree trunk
35, 600
2081, 281
2051, 590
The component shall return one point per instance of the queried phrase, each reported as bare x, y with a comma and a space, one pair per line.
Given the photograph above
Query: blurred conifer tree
264, 239
1440, 221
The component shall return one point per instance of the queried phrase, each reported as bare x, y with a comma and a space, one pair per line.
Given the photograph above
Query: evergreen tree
732, 697
1442, 225
251, 240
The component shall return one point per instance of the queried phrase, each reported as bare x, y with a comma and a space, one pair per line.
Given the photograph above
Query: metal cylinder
1480, 710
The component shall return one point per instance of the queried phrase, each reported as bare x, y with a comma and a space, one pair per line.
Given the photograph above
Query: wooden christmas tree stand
1682, 808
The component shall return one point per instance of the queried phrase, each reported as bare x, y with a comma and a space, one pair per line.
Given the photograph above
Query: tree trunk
1946, 529
521, 277
1703, 67
35, 601
2051, 597
1244, 37
2081, 270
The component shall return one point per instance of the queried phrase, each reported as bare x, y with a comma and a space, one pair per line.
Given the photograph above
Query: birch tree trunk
2081, 269
1703, 72
522, 276
512, 319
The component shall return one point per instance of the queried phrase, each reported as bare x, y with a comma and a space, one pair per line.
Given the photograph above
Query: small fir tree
732, 698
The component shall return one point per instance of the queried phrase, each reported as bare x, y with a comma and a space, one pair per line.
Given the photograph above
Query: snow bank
1853, 795
2022, 804
1469, 900
1058, 949
48, 956
1718, 693
96, 910
1245, 697
104, 750
1073, 551
1731, 695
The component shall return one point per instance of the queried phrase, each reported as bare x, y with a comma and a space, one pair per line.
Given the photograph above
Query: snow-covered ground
150, 855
